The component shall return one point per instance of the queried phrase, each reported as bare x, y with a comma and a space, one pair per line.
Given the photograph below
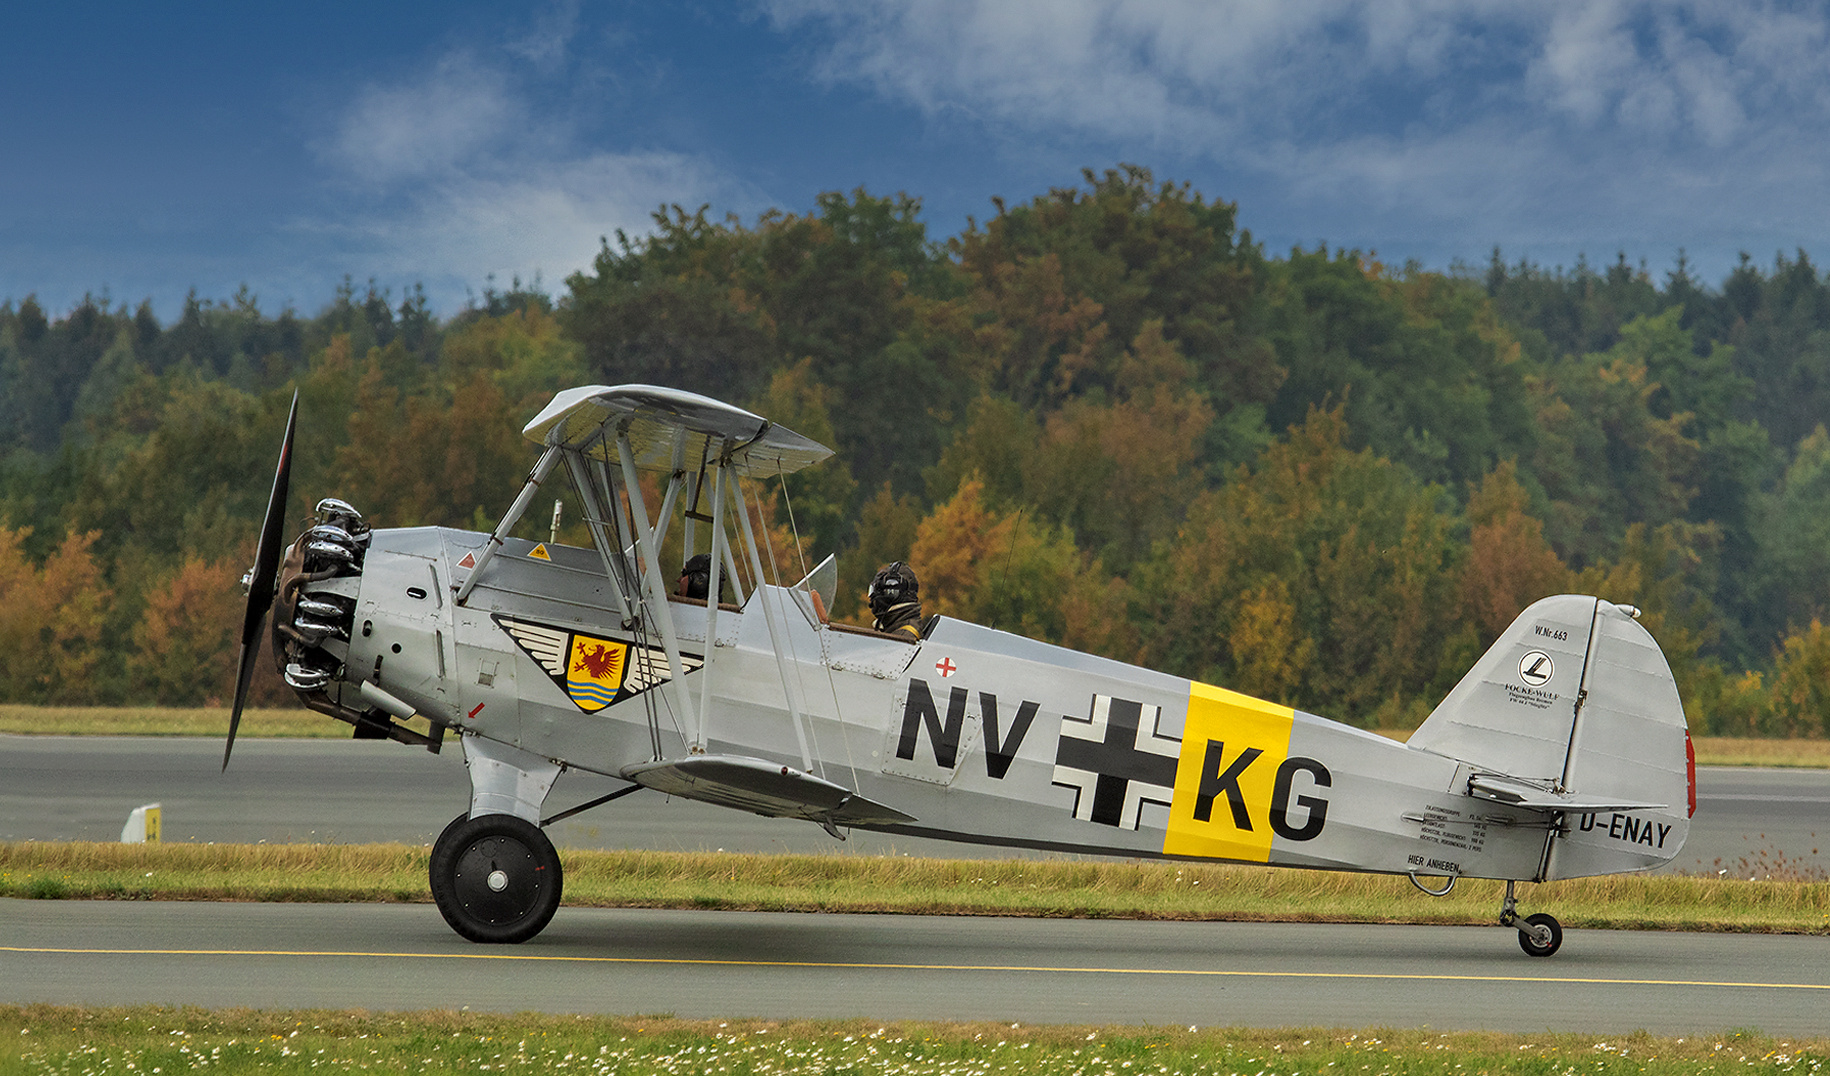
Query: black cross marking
1116, 760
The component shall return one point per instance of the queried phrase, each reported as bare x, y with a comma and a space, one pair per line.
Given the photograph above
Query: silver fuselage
979, 735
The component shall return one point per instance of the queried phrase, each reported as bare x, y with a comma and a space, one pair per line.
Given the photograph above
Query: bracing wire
787, 634
1009, 555
832, 686
654, 700
781, 479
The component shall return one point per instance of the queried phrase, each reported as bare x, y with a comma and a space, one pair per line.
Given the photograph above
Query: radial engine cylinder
316, 607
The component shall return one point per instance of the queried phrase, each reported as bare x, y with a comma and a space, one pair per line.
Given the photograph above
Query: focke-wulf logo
1116, 761
1535, 669
594, 672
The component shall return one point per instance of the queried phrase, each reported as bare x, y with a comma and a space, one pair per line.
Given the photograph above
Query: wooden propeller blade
260, 582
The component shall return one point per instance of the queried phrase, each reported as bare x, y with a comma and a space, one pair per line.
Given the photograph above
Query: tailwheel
496, 878
1540, 935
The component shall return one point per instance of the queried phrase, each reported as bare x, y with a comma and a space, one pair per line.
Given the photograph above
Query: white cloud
1470, 121
1645, 118
406, 130
547, 44
1191, 68
454, 175
541, 217
1583, 57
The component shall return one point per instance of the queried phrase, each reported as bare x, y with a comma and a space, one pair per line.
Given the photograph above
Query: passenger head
695, 577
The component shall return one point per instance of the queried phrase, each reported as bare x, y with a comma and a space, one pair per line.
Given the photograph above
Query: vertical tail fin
1576, 697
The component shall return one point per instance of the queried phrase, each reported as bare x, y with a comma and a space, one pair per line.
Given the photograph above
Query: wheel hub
499, 880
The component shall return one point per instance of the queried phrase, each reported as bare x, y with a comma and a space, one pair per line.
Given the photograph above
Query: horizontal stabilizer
1516, 793
762, 787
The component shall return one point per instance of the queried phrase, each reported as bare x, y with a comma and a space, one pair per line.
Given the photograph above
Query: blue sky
149, 149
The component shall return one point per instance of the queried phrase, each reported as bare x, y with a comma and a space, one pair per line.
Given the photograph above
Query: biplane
1563, 752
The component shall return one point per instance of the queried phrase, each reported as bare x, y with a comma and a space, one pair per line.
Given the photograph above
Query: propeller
260, 579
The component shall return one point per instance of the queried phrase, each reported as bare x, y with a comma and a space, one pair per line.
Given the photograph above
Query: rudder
1576, 698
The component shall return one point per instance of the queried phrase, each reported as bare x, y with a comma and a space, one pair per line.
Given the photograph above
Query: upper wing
670, 429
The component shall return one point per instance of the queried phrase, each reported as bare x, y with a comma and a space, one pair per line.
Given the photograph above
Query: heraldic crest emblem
595, 672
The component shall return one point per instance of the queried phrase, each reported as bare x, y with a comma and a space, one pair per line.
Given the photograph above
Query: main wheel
1532, 943
496, 878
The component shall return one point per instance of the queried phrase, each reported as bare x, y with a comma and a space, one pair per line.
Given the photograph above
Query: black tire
445, 834
496, 878
1529, 943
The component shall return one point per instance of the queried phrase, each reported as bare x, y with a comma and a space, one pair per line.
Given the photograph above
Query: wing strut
651, 571
717, 476
665, 518
537, 476
597, 522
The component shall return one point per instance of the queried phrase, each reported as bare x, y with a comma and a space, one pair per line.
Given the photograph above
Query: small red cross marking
946, 667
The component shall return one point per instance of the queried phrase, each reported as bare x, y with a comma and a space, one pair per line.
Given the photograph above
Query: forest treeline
1104, 417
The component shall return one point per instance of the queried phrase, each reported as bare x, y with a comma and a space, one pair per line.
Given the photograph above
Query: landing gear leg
495, 876
1539, 935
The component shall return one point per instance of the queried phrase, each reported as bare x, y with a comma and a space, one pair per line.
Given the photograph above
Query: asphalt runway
721, 964
56, 788
703, 964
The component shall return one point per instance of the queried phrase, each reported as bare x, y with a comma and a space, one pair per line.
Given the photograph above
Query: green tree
1429, 378
521, 349
719, 308
115, 372
1072, 277
818, 499
1801, 682
670, 309
1794, 553
1117, 473
430, 459
1781, 336
1577, 311
887, 526
1604, 458
1359, 550
172, 475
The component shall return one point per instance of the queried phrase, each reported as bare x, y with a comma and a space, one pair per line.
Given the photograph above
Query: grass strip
151, 1040
293, 722
299, 723
1744, 751
853, 883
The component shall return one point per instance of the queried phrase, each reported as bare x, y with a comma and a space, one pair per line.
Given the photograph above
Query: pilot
695, 576
895, 598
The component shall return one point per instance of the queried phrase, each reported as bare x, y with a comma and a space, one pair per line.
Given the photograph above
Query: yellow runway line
866, 966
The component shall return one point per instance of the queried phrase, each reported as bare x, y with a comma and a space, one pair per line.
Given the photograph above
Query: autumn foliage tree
189, 638
1104, 416
1801, 683
51, 620
1009, 570
1509, 564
